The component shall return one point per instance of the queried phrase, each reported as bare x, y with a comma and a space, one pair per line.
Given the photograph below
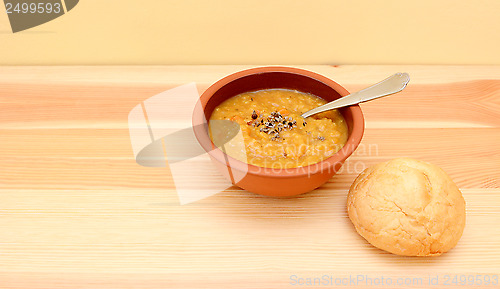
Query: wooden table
77, 211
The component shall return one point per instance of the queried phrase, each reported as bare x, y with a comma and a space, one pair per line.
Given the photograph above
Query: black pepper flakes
274, 124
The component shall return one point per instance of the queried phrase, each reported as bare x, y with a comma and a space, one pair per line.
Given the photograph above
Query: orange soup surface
274, 133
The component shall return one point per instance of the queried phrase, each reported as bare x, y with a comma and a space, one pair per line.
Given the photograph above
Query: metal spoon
391, 85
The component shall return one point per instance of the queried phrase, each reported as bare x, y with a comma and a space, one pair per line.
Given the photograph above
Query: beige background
261, 32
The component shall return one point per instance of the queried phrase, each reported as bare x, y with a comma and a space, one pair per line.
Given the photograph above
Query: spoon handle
388, 86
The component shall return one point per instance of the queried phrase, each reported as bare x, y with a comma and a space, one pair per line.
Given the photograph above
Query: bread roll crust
407, 207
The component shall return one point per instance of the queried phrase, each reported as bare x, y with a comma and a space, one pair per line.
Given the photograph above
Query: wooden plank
99, 158
465, 104
114, 222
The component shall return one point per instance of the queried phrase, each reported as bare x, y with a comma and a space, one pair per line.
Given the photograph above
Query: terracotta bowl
269, 181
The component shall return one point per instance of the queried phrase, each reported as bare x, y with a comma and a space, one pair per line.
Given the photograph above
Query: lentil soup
274, 133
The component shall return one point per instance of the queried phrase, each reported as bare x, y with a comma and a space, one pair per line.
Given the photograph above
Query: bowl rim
329, 163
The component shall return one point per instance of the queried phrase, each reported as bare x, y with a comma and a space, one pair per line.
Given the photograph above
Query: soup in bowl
273, 150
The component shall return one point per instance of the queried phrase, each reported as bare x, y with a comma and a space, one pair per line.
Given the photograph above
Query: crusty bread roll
407, 207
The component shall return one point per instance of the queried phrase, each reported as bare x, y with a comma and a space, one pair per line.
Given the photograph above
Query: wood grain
76, 211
